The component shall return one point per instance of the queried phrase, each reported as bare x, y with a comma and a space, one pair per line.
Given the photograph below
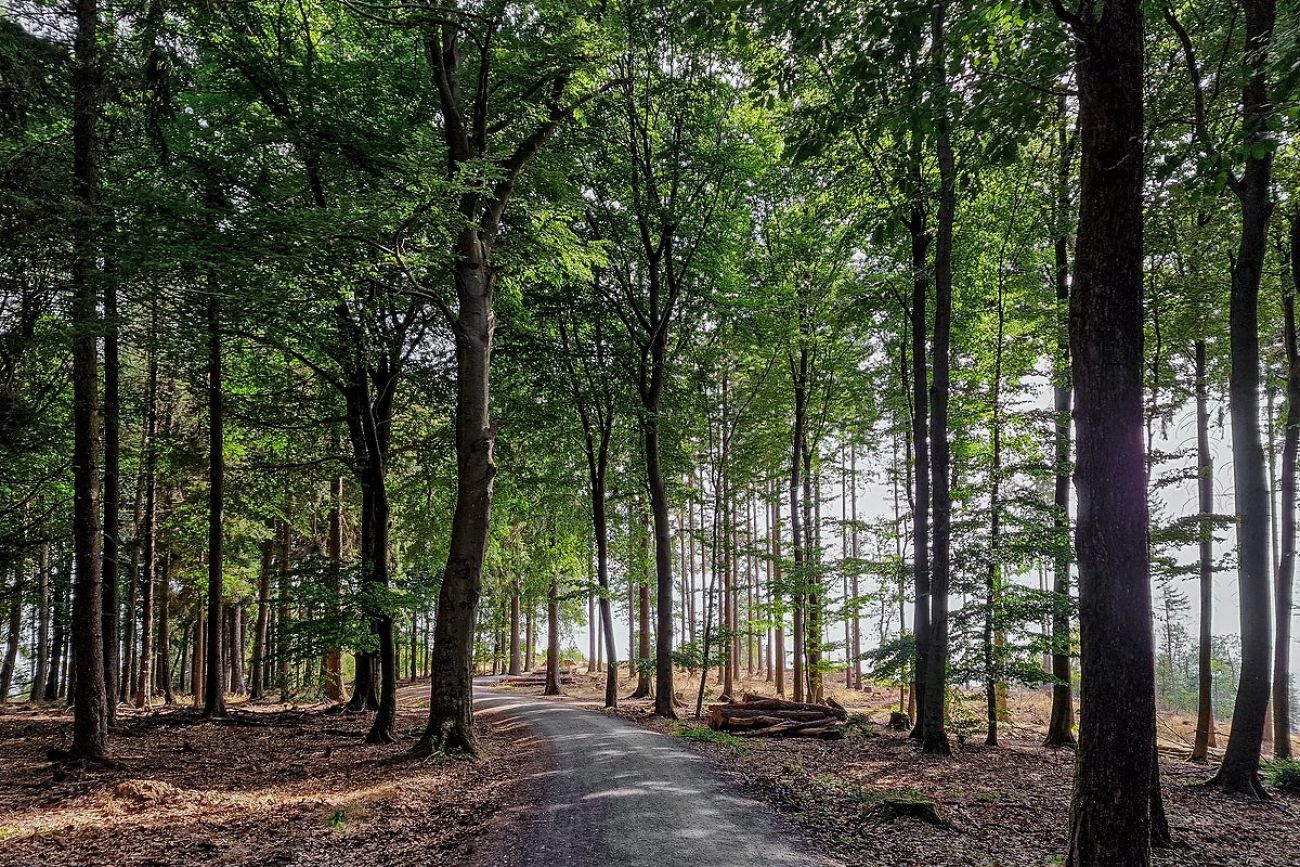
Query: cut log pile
537, 678
759, 716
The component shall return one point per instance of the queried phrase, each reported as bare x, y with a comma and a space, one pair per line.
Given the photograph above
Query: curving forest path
616, 795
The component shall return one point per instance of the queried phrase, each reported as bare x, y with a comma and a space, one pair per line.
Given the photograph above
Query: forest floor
282, 785
293, 785
1005, 806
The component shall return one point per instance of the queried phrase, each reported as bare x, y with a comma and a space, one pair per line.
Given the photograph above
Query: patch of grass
704, 734
860, 727
338, 820
1284, 774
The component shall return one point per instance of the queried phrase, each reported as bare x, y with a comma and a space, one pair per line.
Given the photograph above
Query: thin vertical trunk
198, 667
514, 628
935, 739
15, 630
1205, 735
777, 593
112, 499
163, 667
1111, 815
334, 550
214, 699
236, 652
1286, 569
90, 704
283, 615
257, 687
1060, 727
797, 526
920, 237
1240, 769
41, 671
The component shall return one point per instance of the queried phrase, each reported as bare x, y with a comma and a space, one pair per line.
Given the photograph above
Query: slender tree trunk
1286, 568
112, 499
664, 694
514, 627
214, 699
1111, 815
334, 550
162, 666
553, 640
257, 687
451, 720
935, 738
921, 627
1060, 727
15, 630
600, 527
1205, 735
90, 704
41, 671
1240, 769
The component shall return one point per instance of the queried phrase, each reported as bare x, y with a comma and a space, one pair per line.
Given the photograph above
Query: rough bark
451, 722
1205, 735
112, 498
214, 699
1111, 815
935, 737
1284, 589
1240, 769
1060, 727
90, 704
552, 640
41, 668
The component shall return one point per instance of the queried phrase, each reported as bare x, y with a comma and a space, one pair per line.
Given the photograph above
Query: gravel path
621, 796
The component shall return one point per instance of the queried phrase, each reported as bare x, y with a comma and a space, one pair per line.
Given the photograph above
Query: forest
616, 432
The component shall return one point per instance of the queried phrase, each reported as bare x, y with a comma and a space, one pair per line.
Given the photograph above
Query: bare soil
278, 785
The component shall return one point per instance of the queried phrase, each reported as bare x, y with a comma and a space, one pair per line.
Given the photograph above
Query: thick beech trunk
1111, 809
921, 474
451, 713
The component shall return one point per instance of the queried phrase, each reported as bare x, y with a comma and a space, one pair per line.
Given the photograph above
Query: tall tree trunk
1060, 727
383, 727
214, 700
1111, 815
797, 526
112, 499
1205, 735
777, 593
921, 627
15, 630
643, 685
1240, 769
90, 704
514, 628
451, 718
257, 686
1286, 569
333, 655
935, 739
553, 639
600, 526
162, 667
663, 546
41, 670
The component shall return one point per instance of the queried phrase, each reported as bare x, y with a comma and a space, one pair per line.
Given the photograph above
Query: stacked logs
759, 716
536, 678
